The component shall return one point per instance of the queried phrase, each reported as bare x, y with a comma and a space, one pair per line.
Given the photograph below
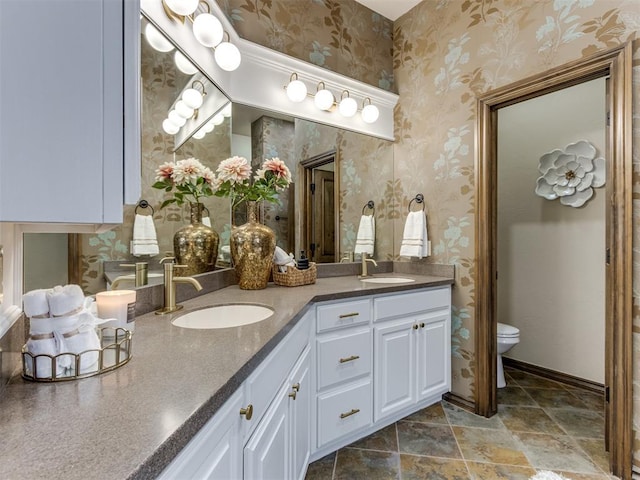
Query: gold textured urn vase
252, 248
195, 245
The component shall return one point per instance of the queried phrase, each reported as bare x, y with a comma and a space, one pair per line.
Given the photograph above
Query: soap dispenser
303, 261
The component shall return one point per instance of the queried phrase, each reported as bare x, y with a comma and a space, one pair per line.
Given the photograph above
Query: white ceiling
392, 9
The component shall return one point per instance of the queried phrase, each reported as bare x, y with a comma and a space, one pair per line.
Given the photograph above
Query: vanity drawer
408, 303
343, 356
344, 411
345, 314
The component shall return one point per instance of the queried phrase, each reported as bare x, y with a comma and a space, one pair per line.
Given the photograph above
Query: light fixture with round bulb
208, 127
226, 111
323, 99
227, 56
192, 97
296, 89
348, 106
156, 39
183, 110
169, 127
176, 119
182, 7
217, 119
183, 64
199, 134
208, 30
370, 112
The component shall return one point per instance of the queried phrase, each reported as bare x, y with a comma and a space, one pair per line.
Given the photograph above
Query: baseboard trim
459, 401
553, 375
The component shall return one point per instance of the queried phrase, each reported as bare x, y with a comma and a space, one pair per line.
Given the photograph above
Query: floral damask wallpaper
342, 36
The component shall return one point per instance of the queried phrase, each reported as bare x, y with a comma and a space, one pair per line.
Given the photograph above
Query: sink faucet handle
175, 265
167, 259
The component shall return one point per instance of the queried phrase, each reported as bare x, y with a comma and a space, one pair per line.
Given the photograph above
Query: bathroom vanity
338, 360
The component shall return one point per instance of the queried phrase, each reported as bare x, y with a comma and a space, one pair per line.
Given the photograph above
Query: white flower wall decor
571, 175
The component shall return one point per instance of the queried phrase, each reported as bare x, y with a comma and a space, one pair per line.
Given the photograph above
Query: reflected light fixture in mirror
184, 65
182, 7
156, 39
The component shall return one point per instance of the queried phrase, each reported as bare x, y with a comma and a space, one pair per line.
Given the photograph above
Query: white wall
551, 257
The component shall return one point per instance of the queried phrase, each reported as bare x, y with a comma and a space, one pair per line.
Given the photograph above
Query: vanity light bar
325, 100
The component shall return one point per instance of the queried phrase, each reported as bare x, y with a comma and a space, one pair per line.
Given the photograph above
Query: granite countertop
131, 422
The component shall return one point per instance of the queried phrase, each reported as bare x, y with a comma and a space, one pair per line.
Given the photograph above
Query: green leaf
168, 202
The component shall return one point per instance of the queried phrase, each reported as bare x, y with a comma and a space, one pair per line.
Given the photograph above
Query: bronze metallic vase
252, 248
195, 245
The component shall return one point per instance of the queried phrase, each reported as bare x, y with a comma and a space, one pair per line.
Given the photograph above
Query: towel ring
419, 198
144, 204
205, 209
369, 205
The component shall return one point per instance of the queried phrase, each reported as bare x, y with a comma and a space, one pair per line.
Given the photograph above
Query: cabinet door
434, 358
300, 409
61, 128
395, 374
266, 455
215, 452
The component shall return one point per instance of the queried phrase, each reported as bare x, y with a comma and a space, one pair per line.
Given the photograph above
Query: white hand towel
206, 221
40, 366
64, 301
145, 240
415, 240
35, 304
283, 260
366, 235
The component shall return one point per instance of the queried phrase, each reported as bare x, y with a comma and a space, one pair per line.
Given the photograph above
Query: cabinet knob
296, 387
422, 325
247, 412
293, 394
415, 326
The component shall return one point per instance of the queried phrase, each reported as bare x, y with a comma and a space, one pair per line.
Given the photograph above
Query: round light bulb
169, 127
296, 91
156, 39
208, 30
208, 127
217, 119
176, 119
182, 7
183, 64
227, 56
199, 134
226, 111
348, 107
323, 99
192, 98
182, 109
370, 113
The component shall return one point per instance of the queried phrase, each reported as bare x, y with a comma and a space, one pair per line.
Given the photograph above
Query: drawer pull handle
247, 412
415, 326
348, 414
347, 315
349, 359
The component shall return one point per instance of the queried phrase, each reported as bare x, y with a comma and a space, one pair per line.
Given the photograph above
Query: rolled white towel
40, 366
283, 259
65, 301
365, 239
35, 304
85, 343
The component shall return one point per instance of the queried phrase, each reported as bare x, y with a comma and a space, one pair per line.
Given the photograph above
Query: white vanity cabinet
412, 349
68, 70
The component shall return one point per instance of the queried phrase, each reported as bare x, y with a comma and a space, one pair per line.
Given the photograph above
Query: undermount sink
387, 280
223, 316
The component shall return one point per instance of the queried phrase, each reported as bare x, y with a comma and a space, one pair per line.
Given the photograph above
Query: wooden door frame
307, 179
617, 65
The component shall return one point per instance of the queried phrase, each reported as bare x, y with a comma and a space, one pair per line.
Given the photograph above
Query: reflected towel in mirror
366, 237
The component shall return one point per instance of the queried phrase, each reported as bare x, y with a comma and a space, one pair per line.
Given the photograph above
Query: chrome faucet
141, 276
170, 286
365, 273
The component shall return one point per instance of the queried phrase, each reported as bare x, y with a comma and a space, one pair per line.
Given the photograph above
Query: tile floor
540, 425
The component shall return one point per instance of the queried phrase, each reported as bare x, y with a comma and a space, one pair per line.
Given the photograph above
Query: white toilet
508, 336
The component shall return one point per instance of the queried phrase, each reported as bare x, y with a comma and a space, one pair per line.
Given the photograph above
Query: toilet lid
505, 330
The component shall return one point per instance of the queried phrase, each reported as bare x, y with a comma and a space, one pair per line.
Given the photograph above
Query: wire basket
294, 277
115, 351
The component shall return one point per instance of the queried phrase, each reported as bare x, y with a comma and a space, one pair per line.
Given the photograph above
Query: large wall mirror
361, 170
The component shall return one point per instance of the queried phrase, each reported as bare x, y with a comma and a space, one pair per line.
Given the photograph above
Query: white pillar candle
119, 305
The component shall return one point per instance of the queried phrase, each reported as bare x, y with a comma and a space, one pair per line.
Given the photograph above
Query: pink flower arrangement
190, 178
234, 180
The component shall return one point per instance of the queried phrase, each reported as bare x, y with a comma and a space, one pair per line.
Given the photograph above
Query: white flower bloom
187, 171
570, 175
